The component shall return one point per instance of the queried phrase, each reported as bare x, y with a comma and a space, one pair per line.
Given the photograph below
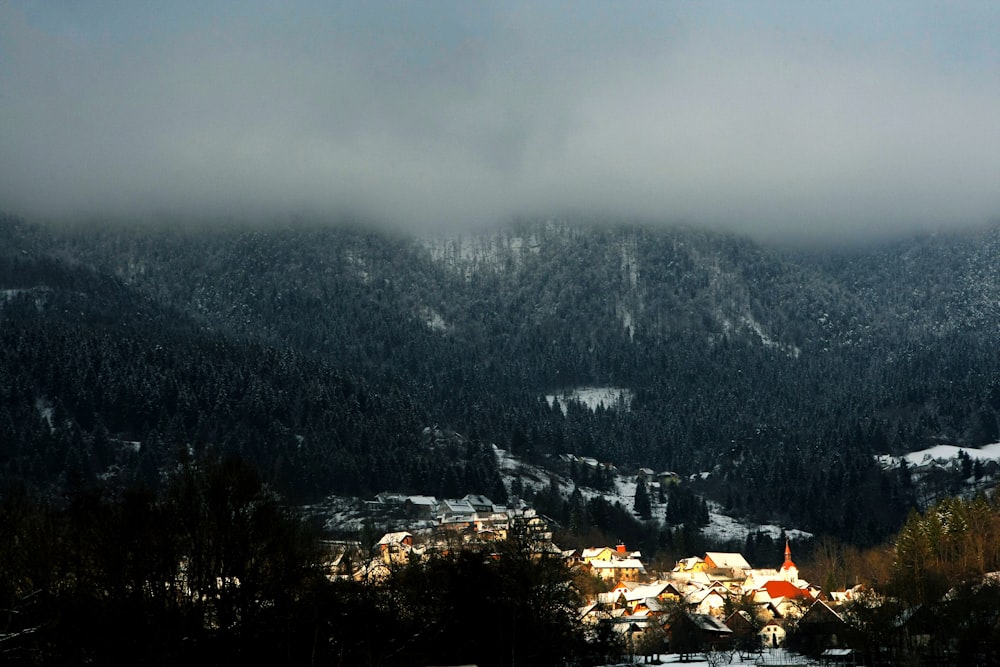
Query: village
716, 602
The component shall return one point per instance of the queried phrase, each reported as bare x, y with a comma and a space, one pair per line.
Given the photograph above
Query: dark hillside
782, 372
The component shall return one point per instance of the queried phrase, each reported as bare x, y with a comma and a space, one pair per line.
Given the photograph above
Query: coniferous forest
167, 395
320, 353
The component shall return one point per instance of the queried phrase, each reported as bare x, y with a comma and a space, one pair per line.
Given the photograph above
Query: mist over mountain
321, 353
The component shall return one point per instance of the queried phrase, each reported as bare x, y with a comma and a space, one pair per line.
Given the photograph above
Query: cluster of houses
474, 517
717, 599
439, 526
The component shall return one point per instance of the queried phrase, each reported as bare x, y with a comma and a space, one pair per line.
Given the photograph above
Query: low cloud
435, 115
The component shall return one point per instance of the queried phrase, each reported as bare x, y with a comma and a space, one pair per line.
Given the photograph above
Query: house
915, 627
479, 503
693, 564
597, 553
531, 527
420, 507
757, 577
689, 633
821, 628
341, 556
668, 478
718, 560
706, 601
785, 598
773, 634
629, 569
661, 591
455, 510
745, 633
395, 547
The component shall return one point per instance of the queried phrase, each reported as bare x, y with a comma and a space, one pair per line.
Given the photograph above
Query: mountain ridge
780, 368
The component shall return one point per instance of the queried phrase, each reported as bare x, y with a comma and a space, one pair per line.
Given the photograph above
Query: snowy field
941, 454
348, 514
723, 528
777, 656
592, 397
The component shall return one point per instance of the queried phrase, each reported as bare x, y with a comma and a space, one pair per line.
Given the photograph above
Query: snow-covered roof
608, 598
698, 595
622, 564
710, 623
394, 538
647, 591
423, 501
722, 559
456, 507
593, 552
478, 500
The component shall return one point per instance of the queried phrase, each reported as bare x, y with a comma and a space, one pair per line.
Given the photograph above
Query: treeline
781, 373
215, 568
96, 382
954, 542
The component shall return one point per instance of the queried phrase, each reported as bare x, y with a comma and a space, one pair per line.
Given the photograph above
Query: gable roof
648, 590
394, 538
709, 623
478, 500
779, 588
726, 560
457, 506
820, 612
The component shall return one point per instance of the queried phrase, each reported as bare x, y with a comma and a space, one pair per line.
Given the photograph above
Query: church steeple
788, 570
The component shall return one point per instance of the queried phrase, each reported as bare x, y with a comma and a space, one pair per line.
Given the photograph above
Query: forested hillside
320, 353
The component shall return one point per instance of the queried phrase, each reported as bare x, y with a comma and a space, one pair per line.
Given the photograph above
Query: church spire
788, 569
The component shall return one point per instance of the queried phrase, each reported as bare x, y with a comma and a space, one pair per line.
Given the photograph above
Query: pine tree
642, 505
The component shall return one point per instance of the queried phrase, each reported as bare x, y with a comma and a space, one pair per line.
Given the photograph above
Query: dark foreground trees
216, 568
213, 566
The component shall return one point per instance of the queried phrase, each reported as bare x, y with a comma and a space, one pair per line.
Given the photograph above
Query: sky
793, 120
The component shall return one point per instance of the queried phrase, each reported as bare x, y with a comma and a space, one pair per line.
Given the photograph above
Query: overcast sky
790, 119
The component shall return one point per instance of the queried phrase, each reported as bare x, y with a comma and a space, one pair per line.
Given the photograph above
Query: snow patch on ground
433, 320
592, 397
724, 528
769, 656
341, 514
758, 329
469, 254
45, 411
940, 454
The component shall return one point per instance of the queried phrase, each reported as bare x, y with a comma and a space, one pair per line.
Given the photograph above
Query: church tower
789, 572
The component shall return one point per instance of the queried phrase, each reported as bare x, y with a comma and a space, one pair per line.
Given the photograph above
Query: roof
709, 623
647, 591
395, 538
429, 501
697, 596
478, 500
723, 559
623, 564
819, 612
594, 552
779, 588
457, 506
687, 563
